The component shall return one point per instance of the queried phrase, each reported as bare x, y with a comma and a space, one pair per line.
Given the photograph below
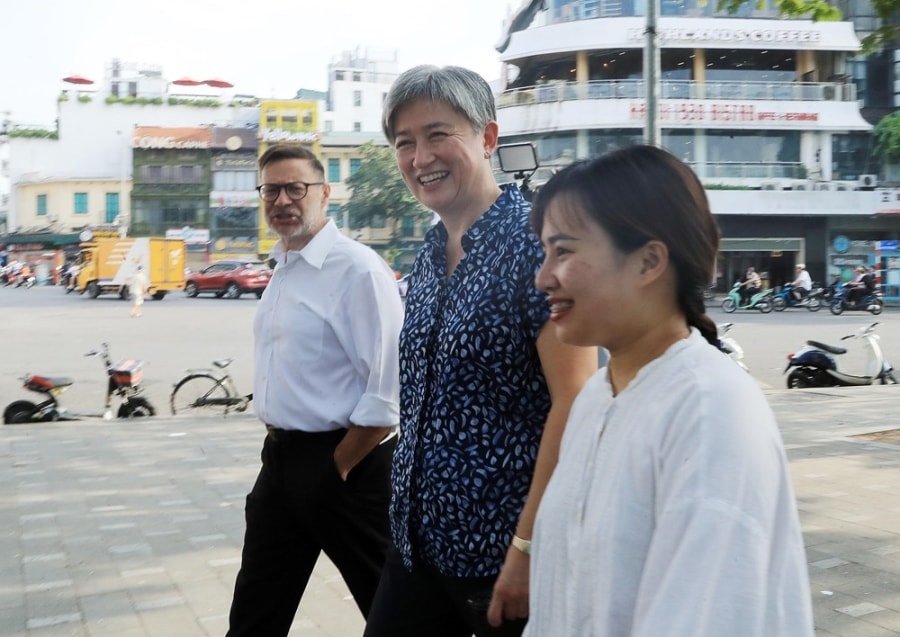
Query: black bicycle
208, 390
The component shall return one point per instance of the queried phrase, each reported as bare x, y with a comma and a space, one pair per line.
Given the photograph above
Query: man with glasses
327, 387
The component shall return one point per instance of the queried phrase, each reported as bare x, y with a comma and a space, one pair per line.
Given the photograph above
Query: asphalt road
44, 330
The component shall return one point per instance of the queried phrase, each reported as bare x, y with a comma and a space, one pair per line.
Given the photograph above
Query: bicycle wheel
192, 393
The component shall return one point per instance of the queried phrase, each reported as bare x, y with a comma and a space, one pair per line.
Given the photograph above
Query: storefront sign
281, 135
887, 201
714, 112
191, 236
699, 36
233, 199
235, 244
156, 137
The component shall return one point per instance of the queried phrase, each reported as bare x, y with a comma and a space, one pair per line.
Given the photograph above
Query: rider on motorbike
802, 284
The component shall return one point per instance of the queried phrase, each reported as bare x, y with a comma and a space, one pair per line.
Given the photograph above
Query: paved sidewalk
133, 529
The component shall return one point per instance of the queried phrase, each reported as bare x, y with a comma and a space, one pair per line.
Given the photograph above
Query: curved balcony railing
558, 91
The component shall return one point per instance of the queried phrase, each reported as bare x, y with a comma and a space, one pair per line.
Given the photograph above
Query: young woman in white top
670, 511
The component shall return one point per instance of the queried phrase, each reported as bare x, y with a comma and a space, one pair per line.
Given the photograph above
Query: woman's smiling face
441, 157
588, 281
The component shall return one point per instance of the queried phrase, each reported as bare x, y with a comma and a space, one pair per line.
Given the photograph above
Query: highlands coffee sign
731, 36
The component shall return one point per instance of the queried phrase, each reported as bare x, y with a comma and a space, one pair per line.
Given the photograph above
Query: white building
762, 109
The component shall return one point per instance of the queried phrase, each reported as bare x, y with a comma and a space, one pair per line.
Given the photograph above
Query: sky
269, 49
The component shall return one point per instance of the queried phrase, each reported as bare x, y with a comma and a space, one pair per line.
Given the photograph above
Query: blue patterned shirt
473, 398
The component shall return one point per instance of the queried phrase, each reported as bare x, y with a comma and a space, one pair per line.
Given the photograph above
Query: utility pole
652, 133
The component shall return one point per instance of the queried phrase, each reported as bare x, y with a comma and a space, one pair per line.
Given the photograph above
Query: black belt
284, 435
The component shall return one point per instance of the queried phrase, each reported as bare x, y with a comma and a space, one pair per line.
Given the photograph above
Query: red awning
218, 83
187, 81
77, 79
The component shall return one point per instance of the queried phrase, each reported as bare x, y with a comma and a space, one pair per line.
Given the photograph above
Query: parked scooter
786, 298
124, 381
730, 346
869, 301
814, 364
761, 301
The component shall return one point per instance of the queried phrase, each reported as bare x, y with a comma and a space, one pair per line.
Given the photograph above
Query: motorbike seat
50, 382
834, 349
222, 363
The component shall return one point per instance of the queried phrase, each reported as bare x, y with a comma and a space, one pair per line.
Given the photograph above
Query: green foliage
85, 99
34, 133
379, 192
820, 10
887, 138
63, 97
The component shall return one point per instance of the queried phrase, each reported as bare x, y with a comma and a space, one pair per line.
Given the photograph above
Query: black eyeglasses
296, 190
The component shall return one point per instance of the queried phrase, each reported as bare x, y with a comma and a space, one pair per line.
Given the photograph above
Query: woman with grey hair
485, 384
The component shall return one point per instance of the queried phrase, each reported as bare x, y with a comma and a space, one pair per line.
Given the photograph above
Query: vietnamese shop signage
157, 137
703, 111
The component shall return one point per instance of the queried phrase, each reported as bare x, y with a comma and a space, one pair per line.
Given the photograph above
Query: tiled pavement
127, 530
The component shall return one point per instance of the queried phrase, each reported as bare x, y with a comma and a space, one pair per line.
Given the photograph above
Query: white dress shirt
326, 338
670, 511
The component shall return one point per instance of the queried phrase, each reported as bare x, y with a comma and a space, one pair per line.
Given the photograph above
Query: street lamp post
123, 214
652, 134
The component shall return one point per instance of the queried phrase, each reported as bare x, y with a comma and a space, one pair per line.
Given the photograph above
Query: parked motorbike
786, 299
869, 302
814, 364
761, 301
124, 382
730, 346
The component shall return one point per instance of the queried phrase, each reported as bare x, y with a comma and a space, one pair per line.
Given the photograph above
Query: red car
230, 279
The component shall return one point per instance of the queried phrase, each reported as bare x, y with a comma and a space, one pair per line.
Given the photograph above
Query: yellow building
280, 121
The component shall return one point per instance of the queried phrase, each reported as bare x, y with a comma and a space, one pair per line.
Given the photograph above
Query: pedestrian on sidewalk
138, 288
671, 510
485, 384
327, 387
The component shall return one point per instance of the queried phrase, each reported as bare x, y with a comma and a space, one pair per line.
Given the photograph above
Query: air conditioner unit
824, 185
867, 181
801, 184
771, 185
844, 185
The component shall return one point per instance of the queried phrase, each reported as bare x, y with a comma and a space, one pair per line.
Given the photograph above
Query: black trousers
299, 507
425, 603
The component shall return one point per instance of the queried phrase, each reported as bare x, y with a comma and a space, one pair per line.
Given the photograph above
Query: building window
42, 205
151, 174
81, 203
334, 211
188, 174
357, 98
334, 170
355, 163
408, 227
112, 206
338, 75
357, 127
357, 76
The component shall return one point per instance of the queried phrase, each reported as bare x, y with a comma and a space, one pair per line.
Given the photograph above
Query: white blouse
671, 511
